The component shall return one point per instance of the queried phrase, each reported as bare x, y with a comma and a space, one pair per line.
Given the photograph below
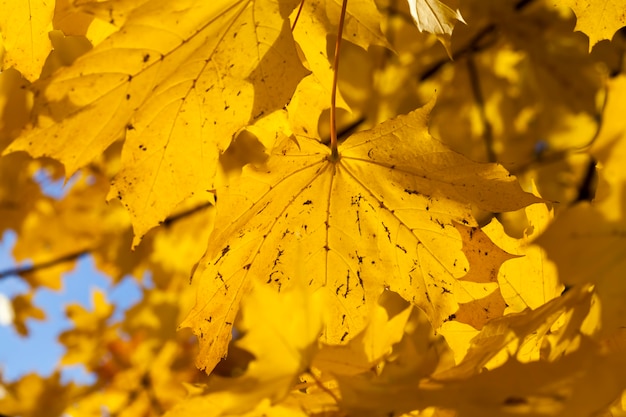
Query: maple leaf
163, 79
364, 352
280, 330
587, 240
24, 27
382, 216
530, 280
436, 17
597, 19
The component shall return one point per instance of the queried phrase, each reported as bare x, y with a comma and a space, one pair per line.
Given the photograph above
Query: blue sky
40, 351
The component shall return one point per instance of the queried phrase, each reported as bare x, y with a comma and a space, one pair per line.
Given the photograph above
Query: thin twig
480, 101
28, 269
293, 26
475, 44
21, 270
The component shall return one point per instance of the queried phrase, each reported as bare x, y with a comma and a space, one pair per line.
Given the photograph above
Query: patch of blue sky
40, 352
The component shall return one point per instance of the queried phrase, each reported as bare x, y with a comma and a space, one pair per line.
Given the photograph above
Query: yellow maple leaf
281, 331
24, 26
530, 280
24, 309
178, 79
436, 17
587, 241
36, 396
598, 19
373, 344
381, 216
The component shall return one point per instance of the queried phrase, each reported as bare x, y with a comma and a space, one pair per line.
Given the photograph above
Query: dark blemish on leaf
451, 317
344, 336
515, 401
401, 248
465, 222
369, 153
306, 203
209, 319
228, 323
130, 78
359, 258
338, 289
345, 295
247, 267
225, 251
387, 230
238, 92
327, 248
445, 291
226, 106
146, 57
343, 319
143, 148
471, 232
278, 255
408, 191
127, 96
259, 115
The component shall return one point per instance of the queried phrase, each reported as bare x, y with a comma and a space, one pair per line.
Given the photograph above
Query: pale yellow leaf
24, 25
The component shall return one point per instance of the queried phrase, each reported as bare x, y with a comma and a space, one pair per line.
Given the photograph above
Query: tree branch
27, 269
20, 270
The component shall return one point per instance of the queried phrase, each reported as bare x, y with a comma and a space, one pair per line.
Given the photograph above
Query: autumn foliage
440, 234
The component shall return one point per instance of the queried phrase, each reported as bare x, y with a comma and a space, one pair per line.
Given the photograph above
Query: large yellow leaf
381, 216
24, 25
588, 241
598, 19
180, 78
575, 385
280, 331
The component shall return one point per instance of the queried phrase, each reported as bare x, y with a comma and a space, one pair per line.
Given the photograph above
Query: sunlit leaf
382, 216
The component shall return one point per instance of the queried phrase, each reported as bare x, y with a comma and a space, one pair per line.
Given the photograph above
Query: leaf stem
293, 26
333, 97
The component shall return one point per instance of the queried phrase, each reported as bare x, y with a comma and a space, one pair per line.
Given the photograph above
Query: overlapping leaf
24, 26
280, 331
384, 215
436, 17
597, 19
180, 79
